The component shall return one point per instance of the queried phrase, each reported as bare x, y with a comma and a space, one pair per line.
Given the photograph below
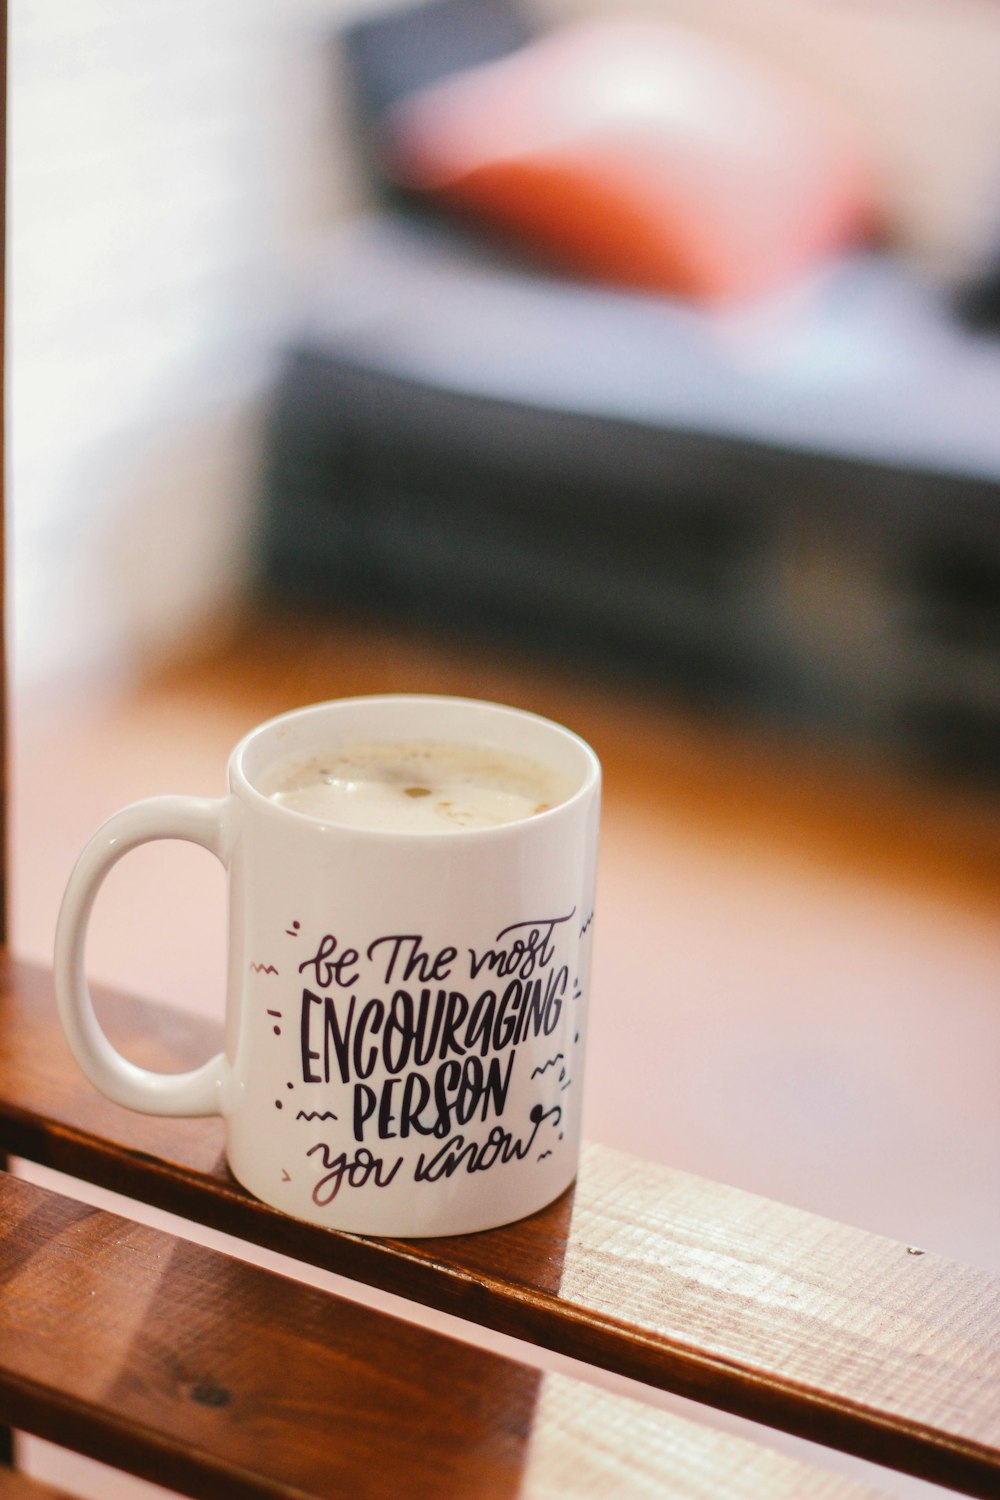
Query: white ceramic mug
406, 1013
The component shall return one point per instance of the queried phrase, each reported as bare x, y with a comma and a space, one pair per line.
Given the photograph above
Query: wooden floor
797, 958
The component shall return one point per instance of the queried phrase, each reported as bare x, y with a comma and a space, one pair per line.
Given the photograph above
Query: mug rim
240, 781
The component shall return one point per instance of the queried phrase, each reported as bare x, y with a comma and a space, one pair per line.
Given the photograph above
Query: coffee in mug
422, 787
411, 887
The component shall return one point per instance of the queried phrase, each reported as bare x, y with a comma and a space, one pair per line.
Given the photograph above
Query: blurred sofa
788, 507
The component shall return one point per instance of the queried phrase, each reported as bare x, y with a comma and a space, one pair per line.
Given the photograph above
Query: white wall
168, 160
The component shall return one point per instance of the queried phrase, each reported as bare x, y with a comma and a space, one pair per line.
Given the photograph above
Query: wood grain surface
778, 1315
185, 1366
14, 1486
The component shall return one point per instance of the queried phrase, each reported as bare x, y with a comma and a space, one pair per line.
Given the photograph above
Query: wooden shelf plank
215, 1377
775, 1314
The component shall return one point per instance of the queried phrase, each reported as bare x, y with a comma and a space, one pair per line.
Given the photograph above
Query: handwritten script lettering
420, 1042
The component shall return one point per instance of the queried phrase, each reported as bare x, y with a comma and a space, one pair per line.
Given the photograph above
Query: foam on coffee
418, 787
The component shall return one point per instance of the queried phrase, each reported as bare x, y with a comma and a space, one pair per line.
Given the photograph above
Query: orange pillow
640, 154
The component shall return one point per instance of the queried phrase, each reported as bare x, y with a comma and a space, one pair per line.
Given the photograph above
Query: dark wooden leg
6, 1435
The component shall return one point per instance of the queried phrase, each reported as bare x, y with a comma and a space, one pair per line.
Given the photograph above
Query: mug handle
199, 820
